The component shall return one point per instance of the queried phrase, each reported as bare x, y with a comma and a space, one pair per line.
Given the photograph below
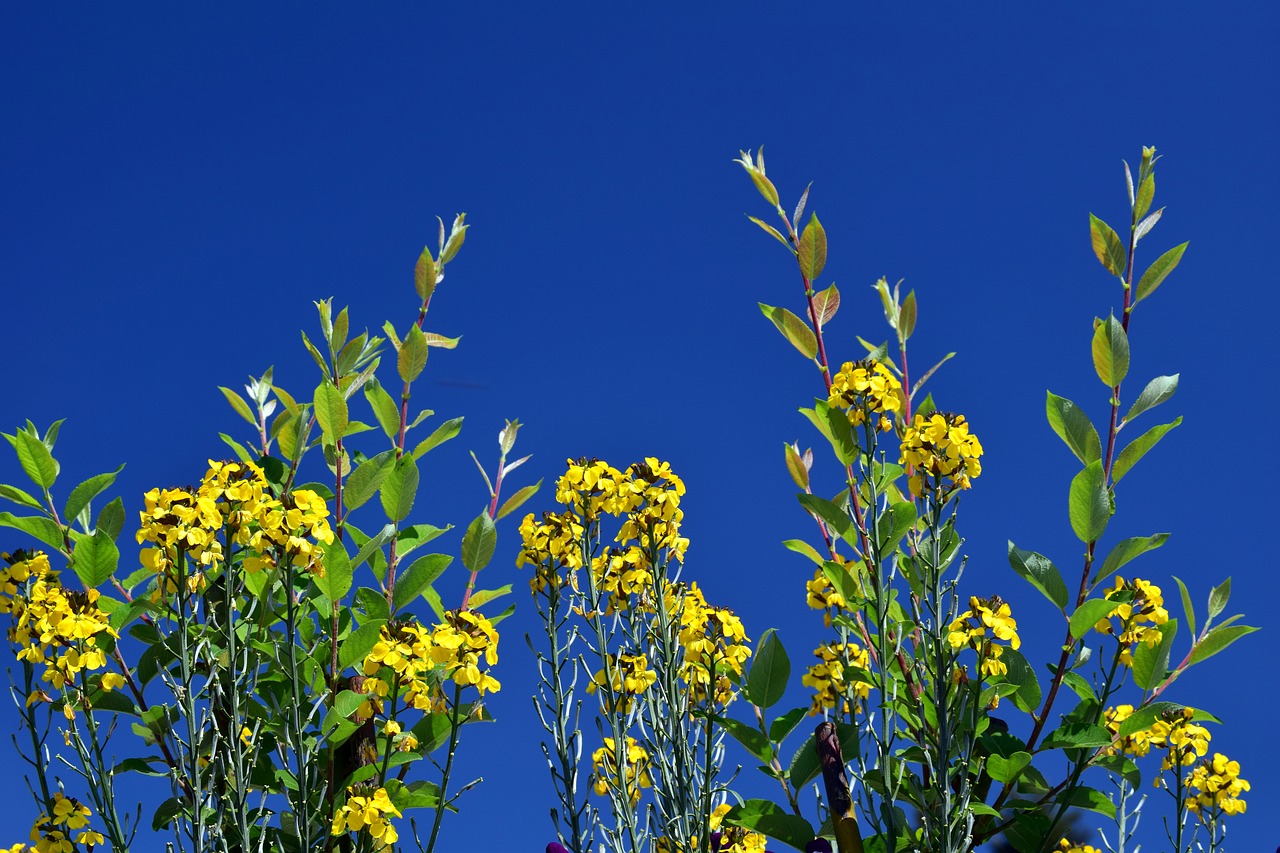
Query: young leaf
82, 494
795, 466
331, 411
1158, 271
384, 408
1217, 640
18, 496
794, 329
1106, 245
1041, 573
1157, 391
400, 488
907, 317
442, 433
424, 274
812, 251
36, 460
1187, 607
237, 402
1126, 549
412, 357
1218, 598
826, 302
95, 559
767, 678
1090, 504
1111, 352
769, 229
1146, 193
478, 542
417, 577
1139, 447
1074, 427
514, 502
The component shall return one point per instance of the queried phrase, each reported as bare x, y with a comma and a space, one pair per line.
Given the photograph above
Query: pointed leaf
1217, 640
418, 577
1146, 193
826, 303
1074, 427
331, 411
95, 559
1158, 271
478, 542
1041, 573
794, 329
514, 502
769, 229
82, 494
1088, 614
770, 670
812, 251
1126, 549
38, 527
36, 460
338, 572
399, 488
1106, 245
1157, 391
1139, 447
384, 408
237, 402
1111, 352
424, 274
907, 316
442, 433
111, 518
18, 496
1090, 504
1188, 610
367, 478
359, 643
1218, 598
412, 357
1151, 663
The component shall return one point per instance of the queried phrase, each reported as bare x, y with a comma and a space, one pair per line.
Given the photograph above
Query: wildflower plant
279, 673
297, 680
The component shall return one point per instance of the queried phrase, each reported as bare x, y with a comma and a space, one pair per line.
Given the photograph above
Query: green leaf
802, 547
1074, 427
412, 357
1126, 549
1005, 770
772, 820
812, 251
1139, 447
95, 559
834, 516
384, 408
367, 478
373, 546
165, 813
420, 575
834, 424
1027, 698
36, 460
417, 534
1218, 598
359, 643
82, 494
514, 502
786, 724
478, 542
1148, 714
331, 411
767, 678
804, 764
1151, 663
18, 496
1107, 245
1146, 193
1217, 640
399, 488
237, 402
481, 597
794, 329
1089, 798
1041, 573
1157, 391
111, 518
338, 572
443, 433
373, 604
1090, 505
424, 274
907, 317
1158, 271
347, 702
769, 229
826, 303
1111, 352
1188, 610
752, 738
1088, 614
43, 529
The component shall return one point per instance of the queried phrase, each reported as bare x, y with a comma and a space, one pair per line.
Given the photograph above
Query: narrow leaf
1106, 245
1139, 447
442, 433
1157, 391
367, 478
1074, 427
1217, 640
1158, 271
1126, 549
418, 577
812, 251
1041, 573
1218, 598
794, 329
237, 402
1188, 610
514, 502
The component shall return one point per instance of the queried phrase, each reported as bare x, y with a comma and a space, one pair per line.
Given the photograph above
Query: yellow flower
942, 453
1065, 846
864, 388
604, 762
1140, 602
631, 677
1216, 787
828, 678
970, 629
368, 812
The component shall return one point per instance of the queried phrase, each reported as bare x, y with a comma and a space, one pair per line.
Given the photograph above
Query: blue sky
178, 186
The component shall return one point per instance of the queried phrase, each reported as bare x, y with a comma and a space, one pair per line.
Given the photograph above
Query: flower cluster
61, 829
370, 811
724, 839
828, 678
412, 655
866, 388
1183, 740
629, 676
1140, 602
714, 641
647, 498
1216, 787
54, 626
233, 499
604, 763
971, 627
942, 453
